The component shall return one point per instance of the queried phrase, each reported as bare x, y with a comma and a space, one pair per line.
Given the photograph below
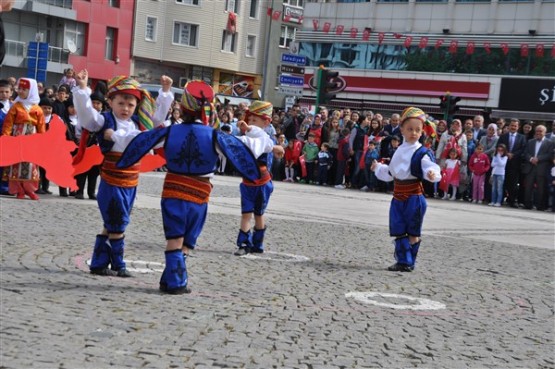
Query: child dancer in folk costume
114, 130
410, 164
24, 118
256, 194
191, 150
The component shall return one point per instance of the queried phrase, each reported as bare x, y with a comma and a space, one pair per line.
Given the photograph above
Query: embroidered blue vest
416, 161
190, 149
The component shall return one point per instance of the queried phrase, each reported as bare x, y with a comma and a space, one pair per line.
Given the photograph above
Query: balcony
59, 3
54, 8
16, 56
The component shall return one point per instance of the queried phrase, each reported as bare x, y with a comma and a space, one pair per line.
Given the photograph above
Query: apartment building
82, 34
496, 55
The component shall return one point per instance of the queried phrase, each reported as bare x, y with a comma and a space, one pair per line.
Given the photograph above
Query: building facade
394, 53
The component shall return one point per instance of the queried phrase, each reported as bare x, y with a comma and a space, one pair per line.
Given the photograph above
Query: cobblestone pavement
482, 295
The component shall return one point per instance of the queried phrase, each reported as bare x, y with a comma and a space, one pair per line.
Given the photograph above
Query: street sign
291, 80
293, 59
290, 69
290, 91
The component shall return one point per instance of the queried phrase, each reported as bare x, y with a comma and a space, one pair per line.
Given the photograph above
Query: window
287, 35
231, 5
75, 32
110, 43
251, 45
187, 2
228, 41
254, 9
150, 29
298, 3
114, 3
185, 34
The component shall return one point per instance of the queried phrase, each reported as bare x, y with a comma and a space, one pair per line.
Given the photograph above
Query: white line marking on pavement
279, 256
419, 303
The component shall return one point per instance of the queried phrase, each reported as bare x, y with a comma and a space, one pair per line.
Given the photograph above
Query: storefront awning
527, 115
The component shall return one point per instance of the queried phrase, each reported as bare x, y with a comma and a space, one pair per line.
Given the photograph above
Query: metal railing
59, 3
19, 49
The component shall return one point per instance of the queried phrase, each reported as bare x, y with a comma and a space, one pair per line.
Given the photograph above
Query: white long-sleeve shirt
399, 167
93, 121
258, 141
498, 164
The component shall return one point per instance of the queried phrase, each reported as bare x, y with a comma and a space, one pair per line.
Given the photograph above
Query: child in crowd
115, 130
256, 195
24, 118
452, 175
324, 164
498, 175
49, 117
385, 157
410, 164
5, 105
292, 153
222, 160
478, 165
68, 78
342, 157
310, 152
372, 154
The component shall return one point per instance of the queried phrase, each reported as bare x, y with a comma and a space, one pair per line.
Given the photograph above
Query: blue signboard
37, 60
293, 59
291, 80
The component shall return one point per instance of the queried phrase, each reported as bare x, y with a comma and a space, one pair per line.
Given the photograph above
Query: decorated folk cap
416, 113
129, 86
197, 101
24, 84
262, 109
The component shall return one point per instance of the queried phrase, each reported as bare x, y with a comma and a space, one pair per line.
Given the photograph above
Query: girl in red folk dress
25, 117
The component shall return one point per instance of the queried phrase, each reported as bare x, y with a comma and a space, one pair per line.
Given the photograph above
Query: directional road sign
293, 59
290, 69
290, 91
291, 80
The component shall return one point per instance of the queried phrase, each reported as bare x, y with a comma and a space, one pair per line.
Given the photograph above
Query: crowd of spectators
336, 148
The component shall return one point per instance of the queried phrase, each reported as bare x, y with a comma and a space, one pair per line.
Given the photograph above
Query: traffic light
326, 84
453, 108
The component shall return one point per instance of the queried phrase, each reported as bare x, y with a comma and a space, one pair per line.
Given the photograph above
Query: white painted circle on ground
277, 256
141, 266
418, 303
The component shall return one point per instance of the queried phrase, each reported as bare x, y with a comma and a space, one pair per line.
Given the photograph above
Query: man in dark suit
478, 130
515, 143
537, 159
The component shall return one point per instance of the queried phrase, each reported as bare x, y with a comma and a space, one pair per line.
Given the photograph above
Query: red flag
276, 14
366, 34
397, 35
408, 41
540, 50
287, 18
315, 24
327, 27
505, 48
438, 44
524, 50
354, 32
339, 29
470, 48
381, 36
269, 12
487, 47
423, 42
453, 46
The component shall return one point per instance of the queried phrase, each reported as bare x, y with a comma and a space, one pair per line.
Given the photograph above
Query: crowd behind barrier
503, 163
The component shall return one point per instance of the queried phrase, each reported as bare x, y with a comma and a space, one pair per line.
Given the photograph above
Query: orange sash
265, 177
187, 188
127, 177
402, 190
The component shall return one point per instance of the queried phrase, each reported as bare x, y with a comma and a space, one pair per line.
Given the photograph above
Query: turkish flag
408, 41
287, 18
540, 50
487, 47
276, 14
505, 48
327, 27
438, 43
524, 50
423, 42
453, 45
339, 29
354, 32
381, 36
470, 48
366, 34
315, 24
